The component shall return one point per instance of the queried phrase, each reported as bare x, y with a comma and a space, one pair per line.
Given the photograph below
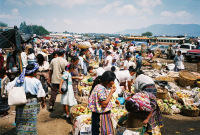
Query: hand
146, 121
113, 89
43, 105
80, 78
60, 91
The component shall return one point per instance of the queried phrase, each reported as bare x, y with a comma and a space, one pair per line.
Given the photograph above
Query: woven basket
186, 78
192, 113
162, 95
73, 113
90, 83
83, 100
155, 66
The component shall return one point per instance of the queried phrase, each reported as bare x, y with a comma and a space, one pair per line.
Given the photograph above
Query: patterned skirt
26, 117
4, 107
102, 124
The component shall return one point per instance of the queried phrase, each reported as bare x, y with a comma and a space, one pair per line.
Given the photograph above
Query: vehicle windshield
198, 47
185, 46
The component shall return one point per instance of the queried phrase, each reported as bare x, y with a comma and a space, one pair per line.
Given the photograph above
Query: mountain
167, 29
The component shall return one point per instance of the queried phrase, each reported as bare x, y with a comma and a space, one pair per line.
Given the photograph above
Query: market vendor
179, 62
100, 70
75, 76
125, 75
143, 115
128, 63
144, 83
100, 104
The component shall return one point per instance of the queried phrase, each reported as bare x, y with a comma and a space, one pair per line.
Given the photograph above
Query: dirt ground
52, 123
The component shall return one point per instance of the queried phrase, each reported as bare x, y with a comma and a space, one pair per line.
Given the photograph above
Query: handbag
64, 87
17, 96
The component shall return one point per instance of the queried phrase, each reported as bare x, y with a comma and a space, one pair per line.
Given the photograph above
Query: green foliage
33, 29
147, 33
2, 24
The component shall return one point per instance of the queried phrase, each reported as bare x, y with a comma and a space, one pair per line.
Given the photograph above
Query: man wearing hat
98, 53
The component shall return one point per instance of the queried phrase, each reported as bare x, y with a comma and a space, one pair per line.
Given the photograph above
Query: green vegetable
90, 80
165, 101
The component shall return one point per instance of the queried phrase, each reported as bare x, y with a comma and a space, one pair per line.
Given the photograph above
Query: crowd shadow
58, 112
9, 132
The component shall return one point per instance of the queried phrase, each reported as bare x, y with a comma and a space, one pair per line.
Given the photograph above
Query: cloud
126, 9
13, 15
179, 14
13, 2
109, 7
61, 3
148, 3
68, 22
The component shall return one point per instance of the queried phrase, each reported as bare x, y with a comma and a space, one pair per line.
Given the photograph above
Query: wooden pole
20, 62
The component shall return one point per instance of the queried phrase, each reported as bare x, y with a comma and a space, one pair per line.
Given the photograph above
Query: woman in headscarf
75, 76
143, 115
26, 115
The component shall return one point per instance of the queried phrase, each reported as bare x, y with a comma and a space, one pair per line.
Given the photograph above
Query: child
4, 80
139, 62
114, 63
68, 98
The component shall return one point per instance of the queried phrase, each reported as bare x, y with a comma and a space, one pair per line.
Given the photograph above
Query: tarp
10, 38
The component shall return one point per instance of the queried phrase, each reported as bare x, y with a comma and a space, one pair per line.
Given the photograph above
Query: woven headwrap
142, 100
25, 71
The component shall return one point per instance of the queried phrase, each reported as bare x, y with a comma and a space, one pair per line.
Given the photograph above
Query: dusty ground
53, 123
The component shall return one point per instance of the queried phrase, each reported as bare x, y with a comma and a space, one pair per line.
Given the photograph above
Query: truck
193, 54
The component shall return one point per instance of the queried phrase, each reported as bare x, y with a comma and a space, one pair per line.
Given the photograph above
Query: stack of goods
156, 66
157, 53
170, 106
118, 112
186, 78
94, 64
145, 63
164, 78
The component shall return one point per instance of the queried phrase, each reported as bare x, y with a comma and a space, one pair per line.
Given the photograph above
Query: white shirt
99, 71
31, 56
80, 62
132, 49
44, 67
97, 53
109, 59
127, 64
141, 81
123, 76
24, 59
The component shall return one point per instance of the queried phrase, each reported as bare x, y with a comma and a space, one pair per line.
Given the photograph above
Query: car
152, 48
193, 54
163, 48
186, 47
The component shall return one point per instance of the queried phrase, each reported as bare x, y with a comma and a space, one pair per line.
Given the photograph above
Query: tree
147, 33
33, 29
2, 24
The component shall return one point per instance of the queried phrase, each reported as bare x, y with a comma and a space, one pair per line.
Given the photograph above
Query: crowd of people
47, 66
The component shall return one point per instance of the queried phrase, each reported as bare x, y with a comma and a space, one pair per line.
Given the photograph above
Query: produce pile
169, 106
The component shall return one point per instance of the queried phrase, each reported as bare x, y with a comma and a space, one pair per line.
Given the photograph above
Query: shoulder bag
17, 96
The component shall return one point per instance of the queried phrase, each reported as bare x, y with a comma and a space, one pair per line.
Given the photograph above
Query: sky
98, 16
